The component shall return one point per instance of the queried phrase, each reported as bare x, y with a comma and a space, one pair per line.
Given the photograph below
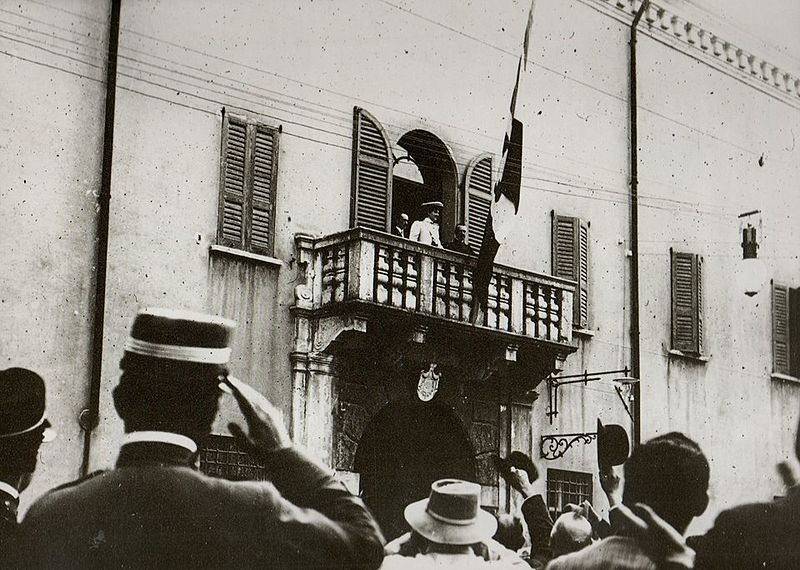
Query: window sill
265, 259
784, 377
583, 333
687, 356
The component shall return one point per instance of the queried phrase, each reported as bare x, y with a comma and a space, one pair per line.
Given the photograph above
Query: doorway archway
406, 447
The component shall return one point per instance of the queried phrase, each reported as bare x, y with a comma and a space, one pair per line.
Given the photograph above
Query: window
389, 181
221, 457
478, 196
247, 190
785, 330
687, 302
570, 245
565, 487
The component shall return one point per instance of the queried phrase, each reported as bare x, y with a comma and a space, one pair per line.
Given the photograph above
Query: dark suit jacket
156, 511
761, 535
537, 519
8, 525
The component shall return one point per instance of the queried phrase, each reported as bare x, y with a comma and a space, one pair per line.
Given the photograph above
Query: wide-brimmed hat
434, 204
22, 403
613, 445
451, 514
184, 336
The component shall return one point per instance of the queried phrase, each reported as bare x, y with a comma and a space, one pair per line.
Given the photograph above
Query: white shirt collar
160, 437
9, 489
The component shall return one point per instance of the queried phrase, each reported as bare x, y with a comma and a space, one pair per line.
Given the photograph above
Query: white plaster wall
51, 107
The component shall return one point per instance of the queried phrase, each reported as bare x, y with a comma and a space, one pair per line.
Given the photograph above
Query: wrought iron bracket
555, 446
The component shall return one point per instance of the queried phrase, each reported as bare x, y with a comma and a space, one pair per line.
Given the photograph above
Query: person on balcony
401, 226
460, 244
427, 230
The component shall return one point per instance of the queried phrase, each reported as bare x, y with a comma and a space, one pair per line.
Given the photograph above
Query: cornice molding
704, 45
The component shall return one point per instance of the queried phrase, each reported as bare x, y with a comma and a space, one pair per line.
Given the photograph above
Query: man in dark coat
22, 430
155, 510
758, 535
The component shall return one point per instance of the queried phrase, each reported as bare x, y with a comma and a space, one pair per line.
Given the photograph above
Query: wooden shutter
249, 174
265, 158
780, 329
372, 174
686, 302
478, 194
582, 319
231, 216
570, 257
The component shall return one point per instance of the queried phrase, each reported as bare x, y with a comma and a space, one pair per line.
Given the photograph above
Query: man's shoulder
612, 552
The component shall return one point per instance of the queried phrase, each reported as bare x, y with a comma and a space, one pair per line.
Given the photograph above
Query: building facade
262, 158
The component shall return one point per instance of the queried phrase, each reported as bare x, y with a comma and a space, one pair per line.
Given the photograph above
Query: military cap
184, 336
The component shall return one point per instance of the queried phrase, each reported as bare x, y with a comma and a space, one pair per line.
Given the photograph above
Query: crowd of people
154, 509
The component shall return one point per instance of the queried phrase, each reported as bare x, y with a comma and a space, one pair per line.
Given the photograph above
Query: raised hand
657, 537
266, 430
610, 483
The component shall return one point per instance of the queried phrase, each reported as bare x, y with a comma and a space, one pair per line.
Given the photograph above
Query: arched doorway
406, 447
439, 181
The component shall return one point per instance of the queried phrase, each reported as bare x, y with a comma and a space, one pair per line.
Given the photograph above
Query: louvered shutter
232, 216
265, 157
582, 319
686, 302
478, 185
570, 255
372, 174
780, 329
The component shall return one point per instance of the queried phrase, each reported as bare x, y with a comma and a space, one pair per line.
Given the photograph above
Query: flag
506, 196
506, 192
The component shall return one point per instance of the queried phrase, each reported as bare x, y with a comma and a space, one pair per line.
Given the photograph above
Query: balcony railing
361, 266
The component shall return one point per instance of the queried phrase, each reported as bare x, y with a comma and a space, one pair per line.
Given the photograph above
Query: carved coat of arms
428, 383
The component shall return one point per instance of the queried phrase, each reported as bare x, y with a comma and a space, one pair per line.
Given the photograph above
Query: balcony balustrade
362, 270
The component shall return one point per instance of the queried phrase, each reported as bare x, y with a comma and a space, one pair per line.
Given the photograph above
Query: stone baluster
730, 52
652, 15
741, 56
677, 28
755, 66
718, 45
777, 78
664, 19
705, 44
691, 33
766, 71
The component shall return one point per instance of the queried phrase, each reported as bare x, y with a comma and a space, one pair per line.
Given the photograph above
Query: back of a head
170, 372
571, 532
164, 395
669, 473
509, 532
22, 421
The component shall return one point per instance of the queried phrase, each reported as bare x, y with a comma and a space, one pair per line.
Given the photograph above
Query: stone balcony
416, 293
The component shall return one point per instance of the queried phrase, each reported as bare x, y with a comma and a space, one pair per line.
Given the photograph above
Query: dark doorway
405, 448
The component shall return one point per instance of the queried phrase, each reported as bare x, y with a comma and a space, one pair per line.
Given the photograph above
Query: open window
388, 183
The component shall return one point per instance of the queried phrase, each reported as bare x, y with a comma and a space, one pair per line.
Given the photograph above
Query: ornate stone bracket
555, 446
328, 329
